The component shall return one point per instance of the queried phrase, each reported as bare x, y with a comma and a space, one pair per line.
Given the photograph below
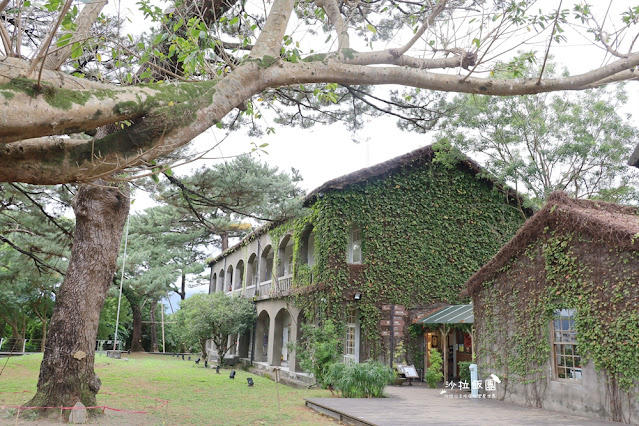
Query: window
351, 342
567, 359
355, 246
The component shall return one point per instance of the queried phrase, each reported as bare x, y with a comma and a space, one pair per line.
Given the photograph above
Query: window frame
351, 328
567, 338
350, 258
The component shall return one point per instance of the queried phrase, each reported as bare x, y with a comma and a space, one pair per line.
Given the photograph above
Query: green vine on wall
426, 228
557, 271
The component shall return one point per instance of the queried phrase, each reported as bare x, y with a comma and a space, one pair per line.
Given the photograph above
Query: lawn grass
195, 395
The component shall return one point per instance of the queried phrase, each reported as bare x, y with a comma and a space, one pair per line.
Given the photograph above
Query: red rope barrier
164, 403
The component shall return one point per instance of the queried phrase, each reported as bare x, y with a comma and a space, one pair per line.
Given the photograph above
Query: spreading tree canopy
82, 103
226, 55
577, 143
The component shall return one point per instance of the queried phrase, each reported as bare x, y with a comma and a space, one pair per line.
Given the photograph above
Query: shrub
318, 351
464, 371
365, 380
434, 373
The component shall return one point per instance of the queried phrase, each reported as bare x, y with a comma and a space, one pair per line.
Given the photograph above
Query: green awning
454, 314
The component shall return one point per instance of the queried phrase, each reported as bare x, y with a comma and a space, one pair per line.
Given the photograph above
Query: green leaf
371, 28
64, 40
77, 51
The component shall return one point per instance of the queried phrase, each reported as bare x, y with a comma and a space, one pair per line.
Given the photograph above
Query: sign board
410, 372
387, 323
400, 313
397, 308
386, 333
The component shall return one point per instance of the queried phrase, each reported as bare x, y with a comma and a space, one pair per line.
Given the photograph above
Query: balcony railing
250, 291
272, 287
265, 288
284, 283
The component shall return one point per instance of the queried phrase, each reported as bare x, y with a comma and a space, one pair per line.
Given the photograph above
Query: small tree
318, 351
216, 317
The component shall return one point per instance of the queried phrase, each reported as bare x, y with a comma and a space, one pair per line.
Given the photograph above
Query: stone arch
220, 281
307, 246
262, 336
266, 262
244, 344
213, 283
298, 321
285, 256
251, 271
228, 284
280, 337
239, 275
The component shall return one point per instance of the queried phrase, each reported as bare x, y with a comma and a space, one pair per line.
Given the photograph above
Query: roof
453, 314
247, 238
615, 224
634, 158
424, 154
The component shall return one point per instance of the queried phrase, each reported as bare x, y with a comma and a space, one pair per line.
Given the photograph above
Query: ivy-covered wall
564, 269
426, 228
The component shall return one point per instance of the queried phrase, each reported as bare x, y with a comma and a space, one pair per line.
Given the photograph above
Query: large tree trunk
66, 372
182, 293
136, 312
136, 336
154, 329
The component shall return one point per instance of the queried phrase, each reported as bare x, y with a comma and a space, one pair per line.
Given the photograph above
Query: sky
323, 152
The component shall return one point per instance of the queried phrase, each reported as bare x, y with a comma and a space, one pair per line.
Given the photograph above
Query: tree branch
51, 219
431, 18
39, 263
45, 47
270, 40
85, 20
552, 33
334, 14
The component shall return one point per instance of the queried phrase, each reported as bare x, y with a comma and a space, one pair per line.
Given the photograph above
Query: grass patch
195, 395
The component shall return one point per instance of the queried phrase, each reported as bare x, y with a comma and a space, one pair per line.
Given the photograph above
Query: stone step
289, 380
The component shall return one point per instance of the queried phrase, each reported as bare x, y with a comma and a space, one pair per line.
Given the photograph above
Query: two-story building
408, 231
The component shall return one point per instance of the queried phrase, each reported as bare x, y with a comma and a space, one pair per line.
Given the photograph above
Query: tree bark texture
154, 330
136, 337
182, 292
66, 373
136, 312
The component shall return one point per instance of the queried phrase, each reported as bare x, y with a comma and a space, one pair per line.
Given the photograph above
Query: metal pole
392, 333
117, 318
162, 307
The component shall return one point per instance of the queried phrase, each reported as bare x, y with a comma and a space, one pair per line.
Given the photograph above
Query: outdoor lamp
250, 381
357, 296
232, 375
